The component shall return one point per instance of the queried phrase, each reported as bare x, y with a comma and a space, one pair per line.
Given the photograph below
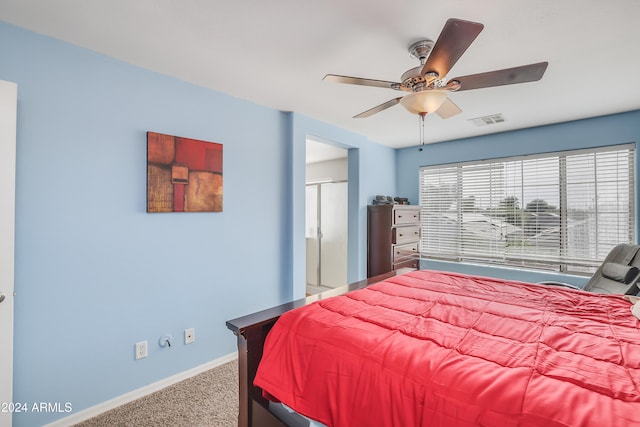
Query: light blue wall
95, 273
601, 131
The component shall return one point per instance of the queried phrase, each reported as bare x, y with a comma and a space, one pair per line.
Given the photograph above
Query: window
557, 211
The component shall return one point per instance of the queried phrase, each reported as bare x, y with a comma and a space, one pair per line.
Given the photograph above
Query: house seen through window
556, 211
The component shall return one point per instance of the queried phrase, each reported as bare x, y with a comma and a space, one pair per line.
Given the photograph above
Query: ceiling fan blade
508, 76
379, 108
448, 109
362, 82
456, 36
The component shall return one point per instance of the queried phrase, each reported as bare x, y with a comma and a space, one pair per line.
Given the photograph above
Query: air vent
488, 120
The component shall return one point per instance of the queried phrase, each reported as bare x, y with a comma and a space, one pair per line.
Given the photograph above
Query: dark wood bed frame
251, 331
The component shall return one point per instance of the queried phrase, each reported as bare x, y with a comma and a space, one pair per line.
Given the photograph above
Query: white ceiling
322, 152
275, 53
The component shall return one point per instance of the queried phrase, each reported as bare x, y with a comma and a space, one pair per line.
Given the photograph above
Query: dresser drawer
403, 252
409, 265
406, 216
408, 234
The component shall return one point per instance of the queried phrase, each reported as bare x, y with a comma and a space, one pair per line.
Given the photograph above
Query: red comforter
439, 349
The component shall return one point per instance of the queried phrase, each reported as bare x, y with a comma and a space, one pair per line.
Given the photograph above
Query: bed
430, 348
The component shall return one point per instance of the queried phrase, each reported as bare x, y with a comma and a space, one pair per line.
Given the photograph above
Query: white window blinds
558, 211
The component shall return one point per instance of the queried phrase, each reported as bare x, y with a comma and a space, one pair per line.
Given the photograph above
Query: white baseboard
138, 393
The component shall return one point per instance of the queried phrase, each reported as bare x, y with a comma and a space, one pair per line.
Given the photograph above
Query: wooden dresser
393, 238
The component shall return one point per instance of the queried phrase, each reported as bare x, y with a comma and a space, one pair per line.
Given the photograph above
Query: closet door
333, 226
311, 234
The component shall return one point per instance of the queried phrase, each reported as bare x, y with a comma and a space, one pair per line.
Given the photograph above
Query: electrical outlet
189, 335
141, 350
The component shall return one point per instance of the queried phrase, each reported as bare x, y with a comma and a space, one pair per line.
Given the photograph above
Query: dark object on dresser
393, 238
401, 200
382, 200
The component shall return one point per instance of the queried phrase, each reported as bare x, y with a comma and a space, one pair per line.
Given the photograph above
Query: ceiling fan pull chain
422, 127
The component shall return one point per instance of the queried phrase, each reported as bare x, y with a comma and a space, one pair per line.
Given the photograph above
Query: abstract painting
183, 175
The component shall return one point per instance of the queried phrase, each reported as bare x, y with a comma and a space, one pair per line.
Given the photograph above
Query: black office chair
619, 273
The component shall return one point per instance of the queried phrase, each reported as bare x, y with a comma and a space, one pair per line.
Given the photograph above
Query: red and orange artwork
183, 175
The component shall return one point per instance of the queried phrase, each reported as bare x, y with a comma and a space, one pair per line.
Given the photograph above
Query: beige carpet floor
209, 399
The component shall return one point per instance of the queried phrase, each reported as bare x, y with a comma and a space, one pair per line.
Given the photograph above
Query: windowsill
508, 273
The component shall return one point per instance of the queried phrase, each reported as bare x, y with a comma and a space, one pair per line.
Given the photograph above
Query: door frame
333, 176
8, 124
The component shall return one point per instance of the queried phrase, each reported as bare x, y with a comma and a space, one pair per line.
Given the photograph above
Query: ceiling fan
427, 85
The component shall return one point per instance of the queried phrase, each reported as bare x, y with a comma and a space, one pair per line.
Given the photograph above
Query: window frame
561, 262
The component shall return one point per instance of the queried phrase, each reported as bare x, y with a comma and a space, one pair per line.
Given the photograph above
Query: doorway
8, 112
326, 220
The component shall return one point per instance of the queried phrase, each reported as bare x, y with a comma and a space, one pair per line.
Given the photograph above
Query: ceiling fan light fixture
426, 101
